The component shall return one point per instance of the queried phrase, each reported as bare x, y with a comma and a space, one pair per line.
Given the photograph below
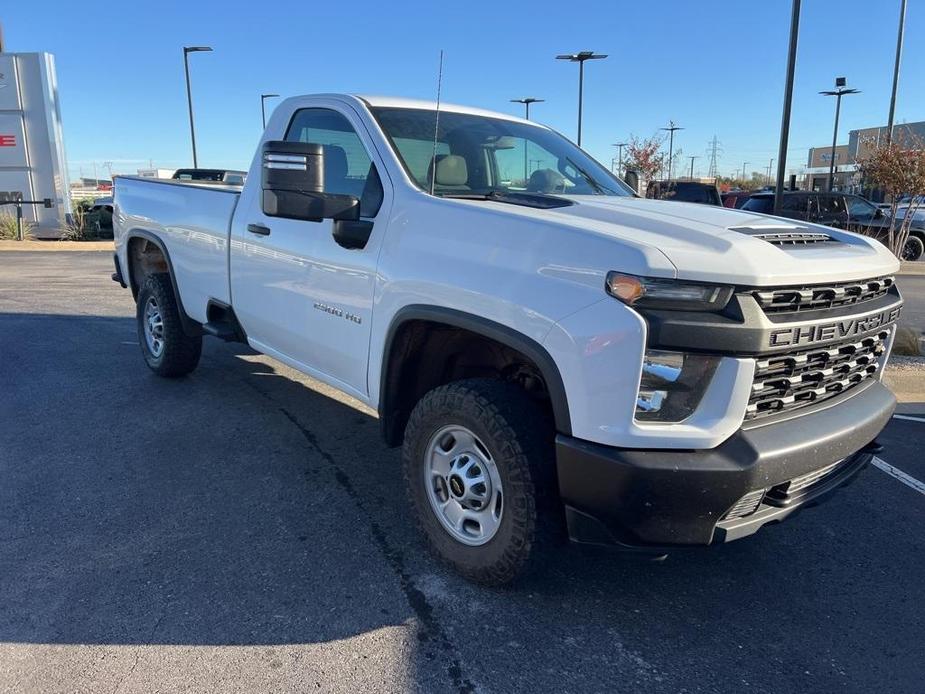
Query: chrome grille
789, 381
795, 299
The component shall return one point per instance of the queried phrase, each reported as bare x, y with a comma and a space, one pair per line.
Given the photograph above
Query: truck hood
718, 244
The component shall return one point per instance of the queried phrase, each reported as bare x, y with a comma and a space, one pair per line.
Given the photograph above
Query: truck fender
190, 327
479, 325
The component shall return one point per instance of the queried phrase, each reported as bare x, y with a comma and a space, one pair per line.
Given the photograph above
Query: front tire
167, 349
914, 248
479, 468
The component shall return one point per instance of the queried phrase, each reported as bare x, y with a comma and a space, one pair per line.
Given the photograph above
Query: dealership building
860, 143
32, 161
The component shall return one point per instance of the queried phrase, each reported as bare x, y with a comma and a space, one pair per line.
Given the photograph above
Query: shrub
75, 228
898, 171
8, 228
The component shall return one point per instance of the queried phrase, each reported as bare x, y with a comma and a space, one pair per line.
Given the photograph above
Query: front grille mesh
790, 381
795, 299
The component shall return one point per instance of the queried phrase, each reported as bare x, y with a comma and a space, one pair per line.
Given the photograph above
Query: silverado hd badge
823, 332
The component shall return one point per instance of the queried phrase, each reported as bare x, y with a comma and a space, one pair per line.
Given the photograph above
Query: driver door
299, 294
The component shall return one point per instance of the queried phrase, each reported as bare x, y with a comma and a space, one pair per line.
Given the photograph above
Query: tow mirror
292, 182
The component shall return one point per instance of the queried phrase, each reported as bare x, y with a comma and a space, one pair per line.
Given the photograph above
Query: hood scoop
793, 236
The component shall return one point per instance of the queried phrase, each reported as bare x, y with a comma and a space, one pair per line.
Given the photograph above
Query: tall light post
692, 157
744, 164
770, 164
788, 102
580, 58
671, 128
263, 108
839, 91
189, 95
526, 101
899, 55
620, 146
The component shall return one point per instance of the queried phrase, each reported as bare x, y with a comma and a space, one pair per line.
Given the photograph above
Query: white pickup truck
553, 352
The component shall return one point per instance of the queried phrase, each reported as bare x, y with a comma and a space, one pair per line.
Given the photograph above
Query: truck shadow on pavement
240, 505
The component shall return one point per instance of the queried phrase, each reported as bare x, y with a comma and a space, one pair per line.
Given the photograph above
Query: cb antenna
433, 176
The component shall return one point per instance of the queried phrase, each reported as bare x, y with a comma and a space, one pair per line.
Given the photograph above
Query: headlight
672, 384
647, 292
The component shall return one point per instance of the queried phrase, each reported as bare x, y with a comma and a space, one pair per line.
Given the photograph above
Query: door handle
258, 229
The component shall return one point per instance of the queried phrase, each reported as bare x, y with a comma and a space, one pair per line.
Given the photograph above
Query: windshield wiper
538, 200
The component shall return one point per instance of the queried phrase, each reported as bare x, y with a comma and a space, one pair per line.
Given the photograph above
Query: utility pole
692, 166
788, 103
671, 128
899, 54
620, 146
770, 164
744, 164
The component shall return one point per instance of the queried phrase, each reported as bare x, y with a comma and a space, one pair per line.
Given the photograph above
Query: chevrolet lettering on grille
824, 332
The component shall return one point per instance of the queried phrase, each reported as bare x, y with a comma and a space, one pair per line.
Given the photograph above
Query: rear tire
914, 248
496, 446
167, 349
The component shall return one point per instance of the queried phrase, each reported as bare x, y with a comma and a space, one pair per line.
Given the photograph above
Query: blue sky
712, 67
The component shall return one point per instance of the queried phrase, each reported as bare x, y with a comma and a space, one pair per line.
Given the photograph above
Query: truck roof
401, 102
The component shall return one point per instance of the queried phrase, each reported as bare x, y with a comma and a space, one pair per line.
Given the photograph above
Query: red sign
7, 140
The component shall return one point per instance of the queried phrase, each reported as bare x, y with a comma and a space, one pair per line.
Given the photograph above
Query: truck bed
192, 220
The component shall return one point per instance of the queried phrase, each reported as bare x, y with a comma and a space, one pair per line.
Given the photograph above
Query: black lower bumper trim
656, 499
117, 275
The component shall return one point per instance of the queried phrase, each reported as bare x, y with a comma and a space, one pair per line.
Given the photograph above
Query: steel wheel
463, 485
154, 327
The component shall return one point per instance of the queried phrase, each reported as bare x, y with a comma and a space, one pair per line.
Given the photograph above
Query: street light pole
692, 166
671, 128
526, 101
899, 53
620, 146
263, 110
744, 164
580, 58
839, 91
788, 102
189, 95
770, 164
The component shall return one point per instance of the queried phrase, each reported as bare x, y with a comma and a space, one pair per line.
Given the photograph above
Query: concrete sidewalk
56, 246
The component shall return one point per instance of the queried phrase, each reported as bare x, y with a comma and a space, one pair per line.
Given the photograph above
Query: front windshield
479, 155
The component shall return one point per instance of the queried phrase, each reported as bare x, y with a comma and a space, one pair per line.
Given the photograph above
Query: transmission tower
714, 148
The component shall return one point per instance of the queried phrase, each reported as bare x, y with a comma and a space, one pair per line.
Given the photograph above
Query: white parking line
911, 419
908, 480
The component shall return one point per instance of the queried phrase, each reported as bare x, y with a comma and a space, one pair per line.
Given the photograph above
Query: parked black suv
684, 191
840, 210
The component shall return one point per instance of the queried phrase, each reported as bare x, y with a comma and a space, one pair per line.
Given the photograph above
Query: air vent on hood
786, 236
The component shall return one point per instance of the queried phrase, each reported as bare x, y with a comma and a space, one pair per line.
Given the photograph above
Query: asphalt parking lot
239, 530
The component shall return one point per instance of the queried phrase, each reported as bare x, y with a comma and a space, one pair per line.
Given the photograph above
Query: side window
418, 155
830, 204
858, 207
348, 169
799, 204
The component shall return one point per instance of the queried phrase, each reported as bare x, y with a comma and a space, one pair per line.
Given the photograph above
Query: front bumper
654, 499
